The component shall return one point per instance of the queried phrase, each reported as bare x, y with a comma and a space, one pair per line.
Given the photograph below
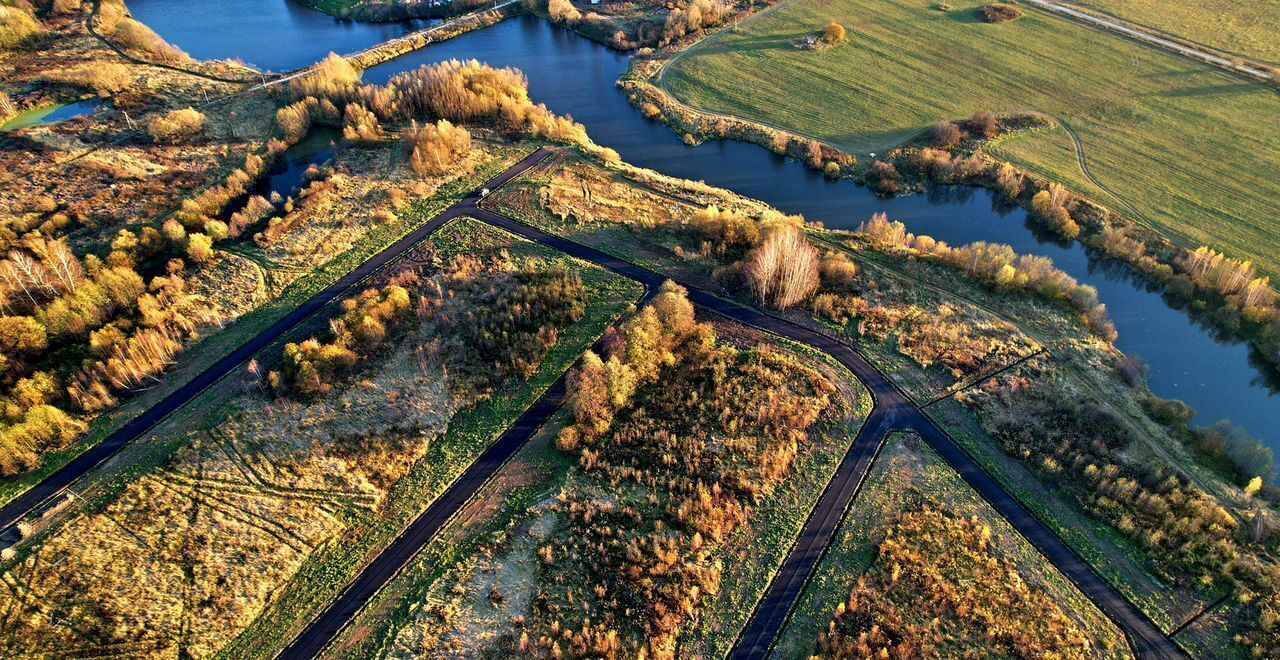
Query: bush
983, 124
945, 135
17, 26
784, 270
834, 33
177, 126
132, 35
999, 13
435, 148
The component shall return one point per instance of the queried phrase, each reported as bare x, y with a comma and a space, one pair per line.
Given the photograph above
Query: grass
444, 592
1186, 144
469, 433
320, 572
1243, 27
905, 476
206, 352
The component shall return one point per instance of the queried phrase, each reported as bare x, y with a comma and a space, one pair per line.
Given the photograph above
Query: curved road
893, 410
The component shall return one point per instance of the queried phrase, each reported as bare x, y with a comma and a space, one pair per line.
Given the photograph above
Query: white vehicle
484, 192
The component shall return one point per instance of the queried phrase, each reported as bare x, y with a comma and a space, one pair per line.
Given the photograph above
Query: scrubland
106, 285
687, 451
1165, 512
923, 567
254, 519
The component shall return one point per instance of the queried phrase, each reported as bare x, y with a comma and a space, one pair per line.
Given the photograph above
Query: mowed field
1248, 28
1195, 150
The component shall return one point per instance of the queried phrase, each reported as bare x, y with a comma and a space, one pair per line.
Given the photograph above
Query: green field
1243, 27
1195, 150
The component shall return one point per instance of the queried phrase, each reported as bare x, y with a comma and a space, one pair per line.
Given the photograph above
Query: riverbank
1247, 307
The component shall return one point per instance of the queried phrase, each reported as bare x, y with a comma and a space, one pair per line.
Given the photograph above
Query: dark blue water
272, 35
50, 115
574, 76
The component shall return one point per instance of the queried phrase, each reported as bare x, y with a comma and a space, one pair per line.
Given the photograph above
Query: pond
1218, 377
49, 114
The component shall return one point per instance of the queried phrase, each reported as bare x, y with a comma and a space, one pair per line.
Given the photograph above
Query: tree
834, 33
783, 271
945, 135
563, 11
199, 247
22, 335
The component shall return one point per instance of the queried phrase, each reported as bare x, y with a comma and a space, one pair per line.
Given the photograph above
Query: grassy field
1244, 27
1190, 147
1006, 327
461, 593
280, 517
906, 476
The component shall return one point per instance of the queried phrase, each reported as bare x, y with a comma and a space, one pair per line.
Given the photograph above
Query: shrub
435, 148
999, 13
313, 368
938, 584
983, 124
945, 135
834, 33
697, 15
17, 26
784, 270
132, 35
177, 126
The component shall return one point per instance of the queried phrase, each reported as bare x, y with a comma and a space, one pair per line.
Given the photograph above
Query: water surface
272, 35
50, 114
1218, 377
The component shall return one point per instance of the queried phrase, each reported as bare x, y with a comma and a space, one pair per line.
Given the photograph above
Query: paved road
892, 410
53, 486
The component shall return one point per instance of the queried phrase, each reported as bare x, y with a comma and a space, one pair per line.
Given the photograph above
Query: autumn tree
833, 34
435, 148
784, 270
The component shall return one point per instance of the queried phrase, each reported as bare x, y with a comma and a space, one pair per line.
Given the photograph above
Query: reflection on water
273, 35
1217, 376
51, 114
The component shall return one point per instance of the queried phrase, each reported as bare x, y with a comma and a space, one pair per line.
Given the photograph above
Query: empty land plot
1189, 146
912, 508
263, 512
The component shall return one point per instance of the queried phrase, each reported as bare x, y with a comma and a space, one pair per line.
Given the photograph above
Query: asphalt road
893, 410
54, 485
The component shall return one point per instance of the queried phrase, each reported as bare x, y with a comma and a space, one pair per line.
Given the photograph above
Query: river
1216, 376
